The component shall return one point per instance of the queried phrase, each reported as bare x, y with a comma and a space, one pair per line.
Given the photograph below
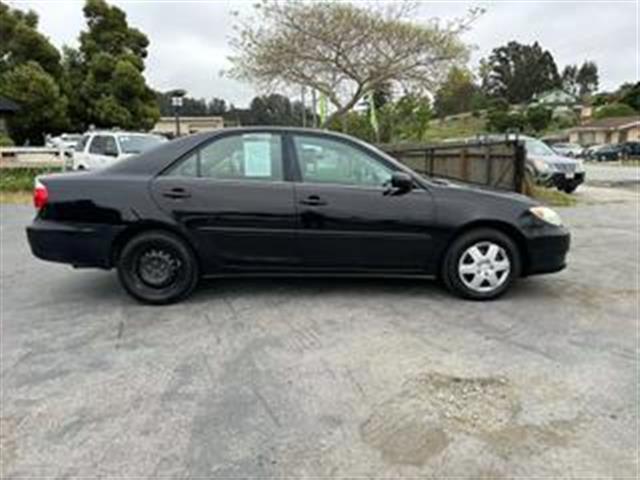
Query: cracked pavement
320, 377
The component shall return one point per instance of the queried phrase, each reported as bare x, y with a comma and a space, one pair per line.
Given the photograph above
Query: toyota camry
287, 201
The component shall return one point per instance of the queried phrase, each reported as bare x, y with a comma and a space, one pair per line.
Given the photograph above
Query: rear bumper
547, 250
81, 245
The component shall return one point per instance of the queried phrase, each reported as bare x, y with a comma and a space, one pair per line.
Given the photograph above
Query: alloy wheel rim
158, 268
484, 267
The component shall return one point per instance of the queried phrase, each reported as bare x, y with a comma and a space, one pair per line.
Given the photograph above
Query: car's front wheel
481, 264
157, 267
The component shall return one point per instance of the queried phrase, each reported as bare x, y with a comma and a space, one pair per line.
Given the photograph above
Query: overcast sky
189, 39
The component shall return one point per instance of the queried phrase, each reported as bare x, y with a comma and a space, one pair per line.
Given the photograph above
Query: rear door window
250, 156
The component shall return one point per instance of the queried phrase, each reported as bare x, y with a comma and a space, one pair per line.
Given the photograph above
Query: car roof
158, 158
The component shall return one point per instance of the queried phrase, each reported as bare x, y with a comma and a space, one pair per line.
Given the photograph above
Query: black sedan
287, 201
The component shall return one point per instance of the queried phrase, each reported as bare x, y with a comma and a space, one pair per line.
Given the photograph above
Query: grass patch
20, 179
552, 197
16, 198
457, 128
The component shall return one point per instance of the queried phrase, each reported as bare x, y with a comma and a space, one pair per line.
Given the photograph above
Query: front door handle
176, 193
313, 201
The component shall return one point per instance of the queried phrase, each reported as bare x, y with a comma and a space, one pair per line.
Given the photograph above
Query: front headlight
541, 165
547, 215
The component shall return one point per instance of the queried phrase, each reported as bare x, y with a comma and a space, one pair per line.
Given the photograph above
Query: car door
103, 151
234, 197
348, 217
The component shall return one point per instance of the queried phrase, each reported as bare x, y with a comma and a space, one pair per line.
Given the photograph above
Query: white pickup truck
99, 149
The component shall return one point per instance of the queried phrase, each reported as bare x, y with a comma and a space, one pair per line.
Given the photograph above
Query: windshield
139, 143
538, 148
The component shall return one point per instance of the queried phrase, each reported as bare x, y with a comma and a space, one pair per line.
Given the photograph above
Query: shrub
5, 141
614, 110
16, 179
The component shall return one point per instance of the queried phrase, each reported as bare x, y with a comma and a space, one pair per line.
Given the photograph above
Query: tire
458, 256
157, 267
569, 188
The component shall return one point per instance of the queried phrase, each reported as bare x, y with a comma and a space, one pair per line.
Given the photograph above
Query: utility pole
313, 108
304, 107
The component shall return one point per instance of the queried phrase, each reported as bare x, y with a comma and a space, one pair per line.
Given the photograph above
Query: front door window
327, 161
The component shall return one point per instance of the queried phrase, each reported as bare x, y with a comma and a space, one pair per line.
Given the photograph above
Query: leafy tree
104, 79
344, 51
629, 94
216, 106
271, 109
587, 78
21, 42
457, 94
614, 110
42, 105
569, 79
517, 72
538, 118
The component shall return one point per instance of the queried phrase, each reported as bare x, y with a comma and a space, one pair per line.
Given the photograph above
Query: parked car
631, 149
608, 152
572, 150
99, 149
67, 141
543, 164
550, 169
282, 201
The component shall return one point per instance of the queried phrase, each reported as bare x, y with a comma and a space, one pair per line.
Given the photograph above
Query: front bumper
561, 180
547, 250
81, 245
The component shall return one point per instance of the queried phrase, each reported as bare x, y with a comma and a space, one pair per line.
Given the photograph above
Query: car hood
483, 193
553, 159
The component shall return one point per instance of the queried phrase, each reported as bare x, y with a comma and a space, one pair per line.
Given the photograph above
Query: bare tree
345, 51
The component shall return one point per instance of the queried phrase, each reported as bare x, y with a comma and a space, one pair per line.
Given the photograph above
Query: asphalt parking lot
254, 378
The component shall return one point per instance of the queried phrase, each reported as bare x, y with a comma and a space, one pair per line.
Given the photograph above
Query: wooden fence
493, 163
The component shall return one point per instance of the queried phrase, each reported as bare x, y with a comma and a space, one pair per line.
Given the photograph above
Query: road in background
375, 378
612, 174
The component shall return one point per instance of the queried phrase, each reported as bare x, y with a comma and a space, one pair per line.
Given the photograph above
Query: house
556, 98
607, 130
188, 125
561, 103
7, 108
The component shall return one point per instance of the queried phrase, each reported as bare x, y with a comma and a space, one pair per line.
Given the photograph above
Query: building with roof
607, 130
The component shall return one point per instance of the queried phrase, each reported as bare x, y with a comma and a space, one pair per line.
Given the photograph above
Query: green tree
538, 118
587, 78
42, 105
21, 42
104, 76
344, 51
457, 94
614, 110
516, 72
629, 94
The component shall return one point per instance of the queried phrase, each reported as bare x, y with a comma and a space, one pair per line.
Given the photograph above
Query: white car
66, 141
99, 149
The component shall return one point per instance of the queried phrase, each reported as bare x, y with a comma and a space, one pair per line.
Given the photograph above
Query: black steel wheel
157, 267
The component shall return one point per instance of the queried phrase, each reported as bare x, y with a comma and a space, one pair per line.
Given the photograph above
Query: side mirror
401, 182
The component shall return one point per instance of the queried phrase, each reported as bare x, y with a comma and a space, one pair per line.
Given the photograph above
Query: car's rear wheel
481, 264
157, 267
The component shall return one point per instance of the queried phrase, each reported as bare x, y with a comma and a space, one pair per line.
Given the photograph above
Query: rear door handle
313, 200
176, 193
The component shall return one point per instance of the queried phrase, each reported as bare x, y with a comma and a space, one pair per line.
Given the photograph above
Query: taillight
40, 194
